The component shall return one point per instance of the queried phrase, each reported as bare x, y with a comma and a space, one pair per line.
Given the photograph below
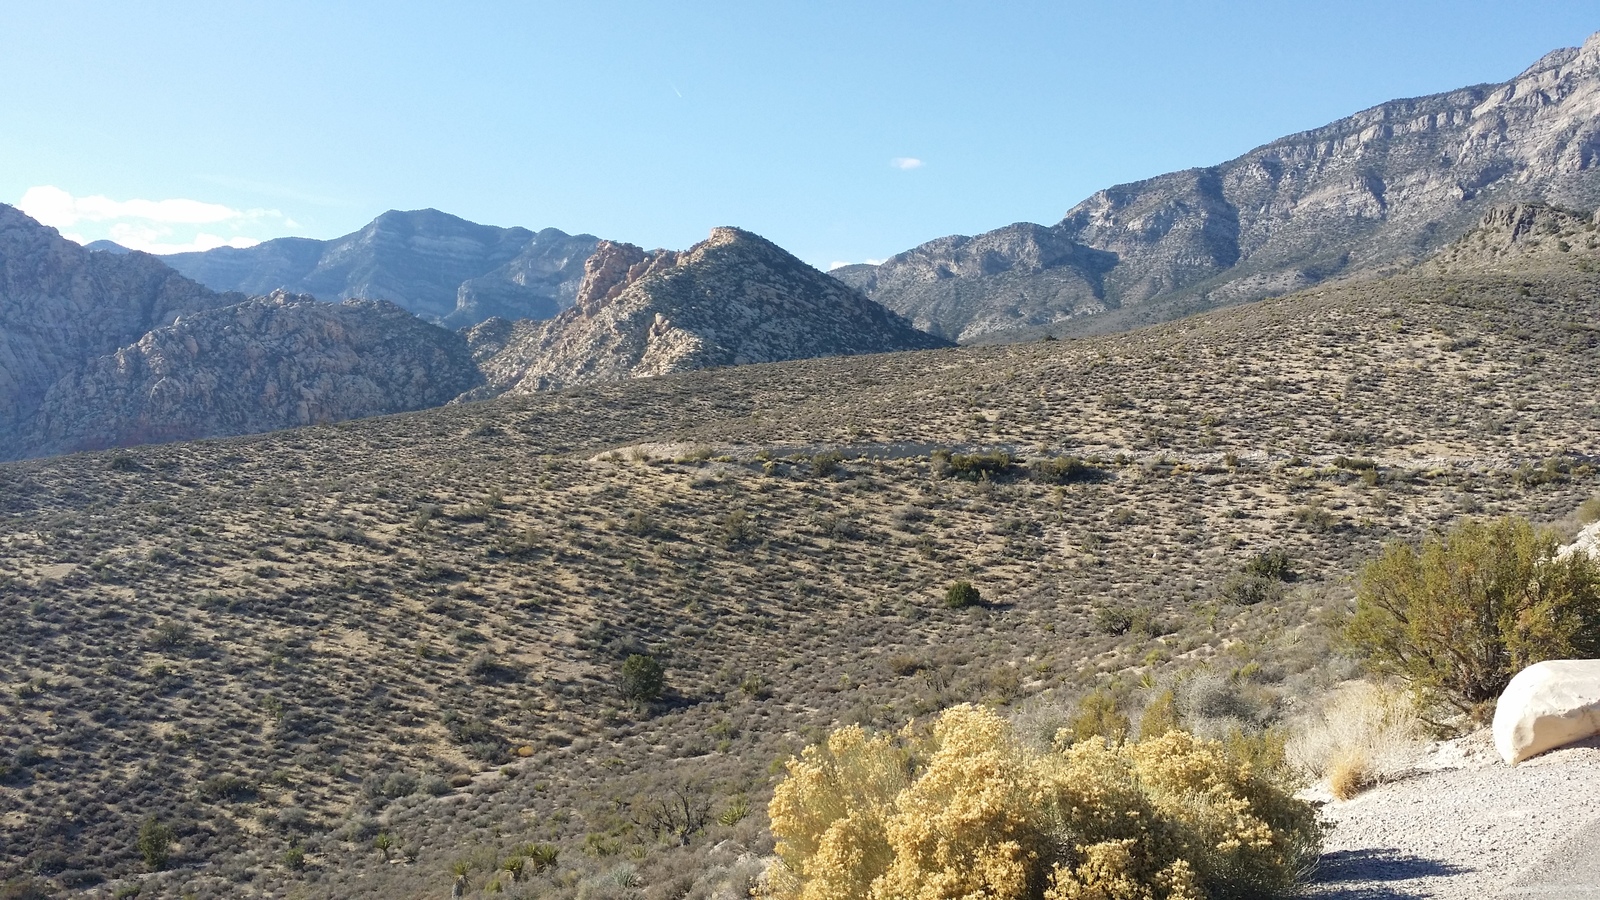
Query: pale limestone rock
1548, 705
732, 299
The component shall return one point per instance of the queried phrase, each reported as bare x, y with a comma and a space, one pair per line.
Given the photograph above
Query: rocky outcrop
1547, 705
1521, 234
275, 362
443, 268
1387, 186
62, 305
101, 349
732, 299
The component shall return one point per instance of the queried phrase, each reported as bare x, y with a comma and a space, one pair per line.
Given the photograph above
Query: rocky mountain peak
731, 299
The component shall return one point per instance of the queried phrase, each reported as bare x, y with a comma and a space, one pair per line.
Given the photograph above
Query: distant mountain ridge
100, 349
732, 299
1384, 187
105, 349
443, 268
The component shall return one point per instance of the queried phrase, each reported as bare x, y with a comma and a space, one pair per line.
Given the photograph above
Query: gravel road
1465, 826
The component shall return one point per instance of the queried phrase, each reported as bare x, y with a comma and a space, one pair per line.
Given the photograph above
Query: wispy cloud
154, 226
906, 163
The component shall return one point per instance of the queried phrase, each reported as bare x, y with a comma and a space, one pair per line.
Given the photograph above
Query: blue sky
843, 131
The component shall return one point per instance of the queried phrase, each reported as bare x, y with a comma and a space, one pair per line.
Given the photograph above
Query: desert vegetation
391, 657
962, 809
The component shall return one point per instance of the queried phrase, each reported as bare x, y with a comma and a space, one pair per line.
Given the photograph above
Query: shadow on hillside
1361, 874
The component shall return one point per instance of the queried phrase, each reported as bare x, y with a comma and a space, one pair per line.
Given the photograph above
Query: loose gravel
1462, 825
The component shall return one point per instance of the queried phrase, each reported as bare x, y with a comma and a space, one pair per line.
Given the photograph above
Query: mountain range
102, 349
440, 267
111, 349
1382, 188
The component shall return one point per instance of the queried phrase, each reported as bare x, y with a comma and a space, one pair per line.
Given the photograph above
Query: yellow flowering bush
961, 811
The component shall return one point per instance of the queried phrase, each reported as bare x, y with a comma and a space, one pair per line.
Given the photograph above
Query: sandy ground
1465, 826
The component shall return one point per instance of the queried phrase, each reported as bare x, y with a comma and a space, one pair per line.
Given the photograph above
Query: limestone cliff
732, 299
274, 362
1383, 188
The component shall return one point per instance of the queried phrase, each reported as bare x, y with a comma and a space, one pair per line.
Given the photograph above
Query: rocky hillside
1383, 187
62, 305
443, 268
732, 299
101, 349
274, 362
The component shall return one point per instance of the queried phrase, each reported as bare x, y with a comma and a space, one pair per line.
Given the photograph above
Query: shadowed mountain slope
101, 349
440, 267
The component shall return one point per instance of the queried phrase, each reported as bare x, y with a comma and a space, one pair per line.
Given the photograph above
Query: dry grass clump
1362, 735
964, 810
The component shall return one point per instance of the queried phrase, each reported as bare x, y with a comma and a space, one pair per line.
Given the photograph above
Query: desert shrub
1274, 564
961, 594
1063, 470
1098, 715
737, 527
1160, 715
231, 788
963, 810
155, 843
643, 678
973, 466
1363, 734
1589, 511
1248, 590
826, 463
1456, 619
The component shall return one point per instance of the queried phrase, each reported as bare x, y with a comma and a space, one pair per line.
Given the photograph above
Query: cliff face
1385, 187
99, 349
274, 362
440, 267
61, 305
730, 300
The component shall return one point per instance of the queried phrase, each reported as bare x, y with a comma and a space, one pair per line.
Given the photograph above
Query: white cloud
906, 163
158, 239
154, 226
836, 264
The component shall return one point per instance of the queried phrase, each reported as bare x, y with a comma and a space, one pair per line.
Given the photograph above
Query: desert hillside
375, 658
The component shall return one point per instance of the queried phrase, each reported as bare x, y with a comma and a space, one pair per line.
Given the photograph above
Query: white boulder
1548, 705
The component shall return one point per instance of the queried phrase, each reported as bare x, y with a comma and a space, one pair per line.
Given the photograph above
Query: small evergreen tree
155, 843
643, 679
961, 594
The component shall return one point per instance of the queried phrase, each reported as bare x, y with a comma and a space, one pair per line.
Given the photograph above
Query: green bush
976, 465
155, 843
1274, 564
1248, 590
961, 595
1063, 470
1457, 619
643, 679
